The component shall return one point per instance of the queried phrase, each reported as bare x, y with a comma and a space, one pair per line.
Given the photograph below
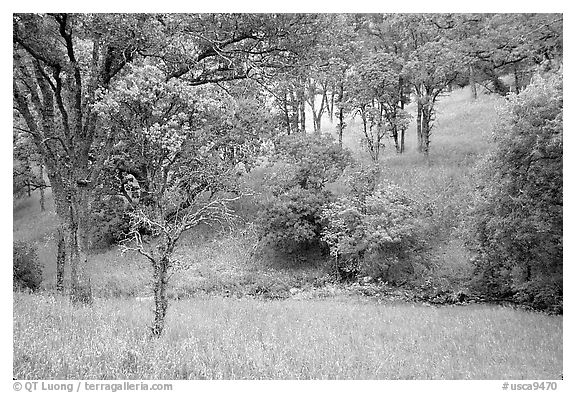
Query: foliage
316, 159
180, 147
111, 221
361, 180
291, 218
25, 158
375, 93
27, 271
374, 235
431, 69
517, 216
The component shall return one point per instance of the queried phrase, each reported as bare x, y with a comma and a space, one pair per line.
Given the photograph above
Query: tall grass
249, 339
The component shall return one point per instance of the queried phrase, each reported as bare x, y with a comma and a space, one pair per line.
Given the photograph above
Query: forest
287, 196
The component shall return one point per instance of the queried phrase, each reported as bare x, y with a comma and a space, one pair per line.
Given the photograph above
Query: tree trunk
419, 124
79, 227
426, 118
312, 102
402, 132
331, 106
473, 83
401, 91
516, 80
295, 112
302, 111
160, 298
287, 113
395, 137
60, 258
42, 197
340, 113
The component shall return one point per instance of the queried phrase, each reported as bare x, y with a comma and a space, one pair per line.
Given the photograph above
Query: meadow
224, 328
223, 338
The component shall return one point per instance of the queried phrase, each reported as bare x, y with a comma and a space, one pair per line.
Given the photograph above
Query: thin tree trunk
302, 110
286, 113
340, 113
42, 197
318, 116
473, 83
401, 92
516, 80
402, 132
331, 106
295, 112
419, 125
312, 102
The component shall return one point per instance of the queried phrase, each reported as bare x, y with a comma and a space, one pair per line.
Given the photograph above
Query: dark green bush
517, 216
27, 271
304, 164
111, 221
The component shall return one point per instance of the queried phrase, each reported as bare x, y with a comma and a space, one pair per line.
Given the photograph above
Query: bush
517, 216
111, 221
377, 236
291, 218
27, 271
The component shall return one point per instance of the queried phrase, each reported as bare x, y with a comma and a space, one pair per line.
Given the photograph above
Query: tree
376, 94
62, 64
431, 69
174, 142
343, 51
517, 216
503, 44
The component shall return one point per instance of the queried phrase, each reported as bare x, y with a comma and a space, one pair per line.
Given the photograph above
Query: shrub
27, 271
361, 180
517, 216
315, 159
376, 236
111, 221
291, 218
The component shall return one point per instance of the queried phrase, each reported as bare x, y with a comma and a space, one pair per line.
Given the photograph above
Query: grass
219, 338
336, 337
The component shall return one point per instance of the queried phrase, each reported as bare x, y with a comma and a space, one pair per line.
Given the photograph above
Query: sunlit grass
323, 339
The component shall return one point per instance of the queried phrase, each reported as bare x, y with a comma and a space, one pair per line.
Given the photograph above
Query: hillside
226, 263
243, 314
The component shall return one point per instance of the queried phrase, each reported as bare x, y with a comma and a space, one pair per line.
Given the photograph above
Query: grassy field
211, 336
249, 339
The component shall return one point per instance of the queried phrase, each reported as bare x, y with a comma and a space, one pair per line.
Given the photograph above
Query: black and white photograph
286, 196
